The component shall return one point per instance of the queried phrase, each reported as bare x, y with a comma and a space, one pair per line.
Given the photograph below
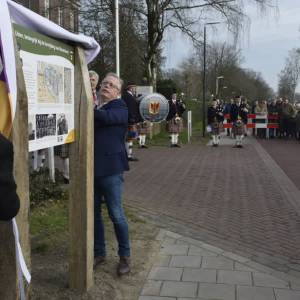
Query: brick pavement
286, 153
186, 268
230, 198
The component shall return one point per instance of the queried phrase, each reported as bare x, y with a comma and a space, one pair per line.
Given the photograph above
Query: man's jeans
110, 187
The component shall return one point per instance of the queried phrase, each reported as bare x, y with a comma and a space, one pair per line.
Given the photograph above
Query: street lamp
217, 84
204, 76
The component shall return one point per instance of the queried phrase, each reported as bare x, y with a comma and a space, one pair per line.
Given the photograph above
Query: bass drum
153, 107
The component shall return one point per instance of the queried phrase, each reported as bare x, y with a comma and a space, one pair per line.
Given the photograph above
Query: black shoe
66, 181
144, 146
132, 159
177, 145
99, 260
123, 266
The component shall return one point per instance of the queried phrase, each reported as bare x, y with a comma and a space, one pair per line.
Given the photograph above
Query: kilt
132, 132
238, 128
175, 127
216, 128
143, 127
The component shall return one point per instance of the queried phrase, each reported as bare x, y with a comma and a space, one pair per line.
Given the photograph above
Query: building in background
62, 12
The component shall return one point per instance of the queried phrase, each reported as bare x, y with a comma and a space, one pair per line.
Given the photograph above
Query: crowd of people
283, 115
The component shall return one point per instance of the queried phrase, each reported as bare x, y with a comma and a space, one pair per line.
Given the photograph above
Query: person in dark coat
174, 120
238, 116
9, 200
111, 120
215, 120
133, 117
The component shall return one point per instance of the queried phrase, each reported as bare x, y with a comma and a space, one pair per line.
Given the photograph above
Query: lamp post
217, 84
204, 77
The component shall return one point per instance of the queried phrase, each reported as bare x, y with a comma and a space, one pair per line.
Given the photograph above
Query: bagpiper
215, 120
174, 120
133, 118
238, 116
143, 129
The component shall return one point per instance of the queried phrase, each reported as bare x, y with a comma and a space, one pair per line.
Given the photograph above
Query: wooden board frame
81, 206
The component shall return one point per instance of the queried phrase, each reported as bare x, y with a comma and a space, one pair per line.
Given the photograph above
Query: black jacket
133, 108
9, 200
238, 111
175, 108
213, 115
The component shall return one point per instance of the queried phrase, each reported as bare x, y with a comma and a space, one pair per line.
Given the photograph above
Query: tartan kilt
216, 128
238, 128
62, 151
143, 127
175, 127
132, 133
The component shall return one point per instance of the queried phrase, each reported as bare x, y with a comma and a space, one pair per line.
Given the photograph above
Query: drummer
133, 117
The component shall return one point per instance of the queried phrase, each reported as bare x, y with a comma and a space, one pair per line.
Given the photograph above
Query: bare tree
290, 75
186, 16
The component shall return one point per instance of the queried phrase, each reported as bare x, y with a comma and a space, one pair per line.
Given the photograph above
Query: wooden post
8, 275
82, 181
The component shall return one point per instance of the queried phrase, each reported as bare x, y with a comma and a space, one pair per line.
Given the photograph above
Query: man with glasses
111, 122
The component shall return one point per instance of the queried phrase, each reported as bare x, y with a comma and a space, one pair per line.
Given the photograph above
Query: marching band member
215, 119
238, 116
133, 118
174, 120
143, 130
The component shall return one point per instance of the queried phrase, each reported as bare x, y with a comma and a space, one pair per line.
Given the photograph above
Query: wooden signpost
81, 187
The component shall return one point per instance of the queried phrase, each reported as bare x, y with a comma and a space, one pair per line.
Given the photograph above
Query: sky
264, 49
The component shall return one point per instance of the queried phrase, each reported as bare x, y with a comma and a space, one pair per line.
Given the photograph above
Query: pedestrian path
239, 200
187, 269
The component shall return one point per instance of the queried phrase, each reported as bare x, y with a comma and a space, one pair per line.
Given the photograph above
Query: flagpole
117, 38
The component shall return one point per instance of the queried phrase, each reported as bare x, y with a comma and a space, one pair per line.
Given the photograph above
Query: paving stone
186, 261
295, 285
234, 277
181, 242
174, 250
173, 235
241, 267
261, 279
161, 235
235, 257
200, 275
179, 289
198, 298
191, 241
212, 248
151, 288
162, 261
168, 241
219, 262
287, 294
254, 293
218, 291
164, 273
194, 250
155, 298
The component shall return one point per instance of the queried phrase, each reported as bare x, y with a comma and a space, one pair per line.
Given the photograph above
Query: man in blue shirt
111, 122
